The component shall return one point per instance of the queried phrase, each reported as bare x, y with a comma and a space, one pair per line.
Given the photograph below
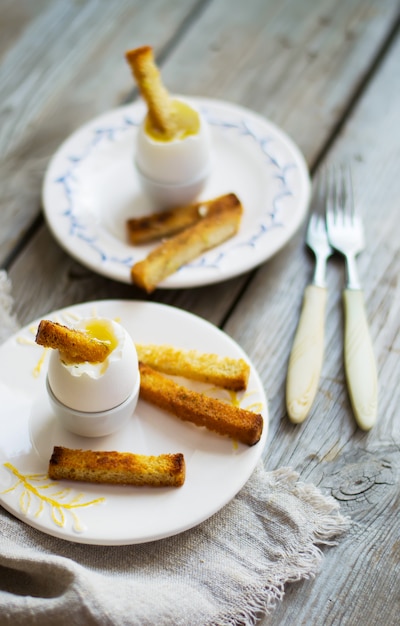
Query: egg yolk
186, 123
102, 331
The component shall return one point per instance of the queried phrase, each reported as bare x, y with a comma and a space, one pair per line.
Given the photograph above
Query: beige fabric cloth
223, 572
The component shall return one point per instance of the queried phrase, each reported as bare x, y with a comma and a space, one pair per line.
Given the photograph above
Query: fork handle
361, 374
305, 360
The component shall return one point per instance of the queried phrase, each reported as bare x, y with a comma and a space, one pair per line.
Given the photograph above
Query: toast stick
169, 256
171, 221
143, 67
74, 345
224, 372
195, 407
117, 468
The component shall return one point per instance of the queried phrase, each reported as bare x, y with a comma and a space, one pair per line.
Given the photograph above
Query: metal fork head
345, 229
317, 237
316, 233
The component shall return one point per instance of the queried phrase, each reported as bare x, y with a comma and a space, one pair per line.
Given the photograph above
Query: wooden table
328, 73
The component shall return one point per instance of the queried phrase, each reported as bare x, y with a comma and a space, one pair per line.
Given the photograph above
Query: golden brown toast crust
209, 368
182, 248
195, 407
143, 67
74, 345
171, 221
124, 468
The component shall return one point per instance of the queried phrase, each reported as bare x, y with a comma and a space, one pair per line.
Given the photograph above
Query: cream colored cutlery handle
362, 379
307, 353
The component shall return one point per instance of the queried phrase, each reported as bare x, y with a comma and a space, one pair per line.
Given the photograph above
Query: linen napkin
226, 571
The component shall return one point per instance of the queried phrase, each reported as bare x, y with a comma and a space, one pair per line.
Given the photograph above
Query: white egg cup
165, 196
98, 423
173, 173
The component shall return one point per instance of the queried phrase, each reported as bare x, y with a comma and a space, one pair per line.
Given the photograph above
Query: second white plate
91, 189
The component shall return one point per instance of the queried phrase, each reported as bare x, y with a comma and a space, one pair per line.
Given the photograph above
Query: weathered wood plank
15, 18
66, 66
297, 63
361, 470
64, 282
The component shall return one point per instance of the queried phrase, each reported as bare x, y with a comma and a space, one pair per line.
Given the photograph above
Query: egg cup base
98, 423
169, 195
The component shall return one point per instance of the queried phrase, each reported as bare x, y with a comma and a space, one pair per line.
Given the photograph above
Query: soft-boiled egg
174, 168
94, 399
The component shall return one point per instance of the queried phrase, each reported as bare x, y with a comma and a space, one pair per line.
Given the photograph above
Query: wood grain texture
299, 63
16, 16
360, 470
66, 66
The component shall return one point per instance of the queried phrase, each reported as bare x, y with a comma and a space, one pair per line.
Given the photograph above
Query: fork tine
342, 205
342, 193
347, 182
349, 210
340, 189
339, 196
331, 204
317, 201
312, 224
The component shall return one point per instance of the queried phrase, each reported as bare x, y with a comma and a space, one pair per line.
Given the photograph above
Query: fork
307, 353
345, 233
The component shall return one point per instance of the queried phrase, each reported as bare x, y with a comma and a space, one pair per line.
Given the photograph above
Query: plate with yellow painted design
216, 467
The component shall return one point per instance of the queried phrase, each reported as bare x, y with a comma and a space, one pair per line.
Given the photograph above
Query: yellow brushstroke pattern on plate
57, 501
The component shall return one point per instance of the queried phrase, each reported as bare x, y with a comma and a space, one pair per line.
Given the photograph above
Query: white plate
216, 467
91, 188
